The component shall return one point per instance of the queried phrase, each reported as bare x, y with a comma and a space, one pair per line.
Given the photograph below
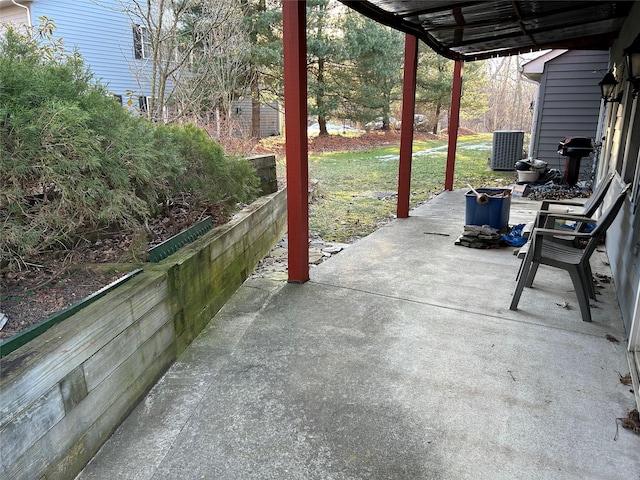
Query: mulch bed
53, 283
334, 143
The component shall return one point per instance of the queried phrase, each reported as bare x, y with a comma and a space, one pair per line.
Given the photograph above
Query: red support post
295, 106
406, 129
454, 123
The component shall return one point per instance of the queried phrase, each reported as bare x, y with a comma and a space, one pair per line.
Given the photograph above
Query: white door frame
634, 348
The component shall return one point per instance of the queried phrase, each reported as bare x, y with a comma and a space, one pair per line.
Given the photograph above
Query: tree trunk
386, 123
434, 130
260, 7
322, 119
255, 107
322, 123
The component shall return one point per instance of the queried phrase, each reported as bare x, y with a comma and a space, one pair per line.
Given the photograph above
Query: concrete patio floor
399, 359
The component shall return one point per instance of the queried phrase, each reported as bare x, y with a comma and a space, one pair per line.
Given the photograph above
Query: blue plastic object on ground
514, 238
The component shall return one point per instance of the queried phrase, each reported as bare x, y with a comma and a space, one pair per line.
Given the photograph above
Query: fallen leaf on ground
603, 278
564, 305
630, 422
625, 379
611, 338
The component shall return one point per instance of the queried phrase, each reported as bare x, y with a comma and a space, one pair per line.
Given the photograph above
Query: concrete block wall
65, 392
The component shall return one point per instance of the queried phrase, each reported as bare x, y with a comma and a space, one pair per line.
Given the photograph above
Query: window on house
143, 103
141, 42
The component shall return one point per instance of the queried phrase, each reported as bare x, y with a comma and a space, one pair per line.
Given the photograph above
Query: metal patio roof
476, 30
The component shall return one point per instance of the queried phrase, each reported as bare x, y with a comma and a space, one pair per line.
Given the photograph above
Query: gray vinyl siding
569, 104
269, 117
623, 237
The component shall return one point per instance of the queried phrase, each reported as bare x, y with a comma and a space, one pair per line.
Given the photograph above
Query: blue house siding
102, 33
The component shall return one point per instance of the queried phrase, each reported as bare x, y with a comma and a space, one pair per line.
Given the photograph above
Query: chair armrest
568, 216
547, 219
550, 232
570, 203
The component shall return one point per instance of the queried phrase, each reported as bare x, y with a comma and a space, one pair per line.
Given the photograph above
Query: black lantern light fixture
632, 59
607, 86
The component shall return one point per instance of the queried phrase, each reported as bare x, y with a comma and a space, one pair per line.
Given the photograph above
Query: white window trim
141, 42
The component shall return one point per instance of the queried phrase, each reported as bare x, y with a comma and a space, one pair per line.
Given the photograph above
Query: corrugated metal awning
475, 30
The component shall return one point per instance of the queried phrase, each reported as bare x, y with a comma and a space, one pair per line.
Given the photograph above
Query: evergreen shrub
74, 162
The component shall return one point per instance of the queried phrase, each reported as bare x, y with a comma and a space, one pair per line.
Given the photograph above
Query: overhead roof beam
537, 31
521, 24
599, 23
427, 11
569, 44
488, 23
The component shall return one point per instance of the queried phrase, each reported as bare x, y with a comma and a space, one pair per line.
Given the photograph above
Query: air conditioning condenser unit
507, 149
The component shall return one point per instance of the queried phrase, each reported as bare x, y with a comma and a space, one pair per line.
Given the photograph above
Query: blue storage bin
495, 213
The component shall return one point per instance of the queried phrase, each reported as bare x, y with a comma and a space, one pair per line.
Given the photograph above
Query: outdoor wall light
607, 86
632, 59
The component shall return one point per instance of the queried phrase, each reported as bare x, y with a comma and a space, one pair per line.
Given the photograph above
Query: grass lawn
355, 191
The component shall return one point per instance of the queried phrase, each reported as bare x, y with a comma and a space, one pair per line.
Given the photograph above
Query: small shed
270, 117
568, 103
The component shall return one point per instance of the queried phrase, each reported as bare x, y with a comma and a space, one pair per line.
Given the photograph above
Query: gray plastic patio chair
587, 208
546, 250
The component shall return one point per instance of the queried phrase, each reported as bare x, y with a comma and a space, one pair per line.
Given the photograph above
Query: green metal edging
20, 339
173, 244
157, 253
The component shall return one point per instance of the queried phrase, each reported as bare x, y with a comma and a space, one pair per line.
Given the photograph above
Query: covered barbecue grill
574, 148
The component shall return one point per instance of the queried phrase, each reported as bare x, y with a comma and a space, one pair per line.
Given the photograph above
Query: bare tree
218, 72
180, 44
509, 96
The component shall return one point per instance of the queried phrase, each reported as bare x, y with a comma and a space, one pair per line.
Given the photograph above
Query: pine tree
374, 80
325, 57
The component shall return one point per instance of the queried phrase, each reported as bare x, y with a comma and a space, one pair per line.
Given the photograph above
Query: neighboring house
115, 48
270, 117
101, 32
568, 103
14, 13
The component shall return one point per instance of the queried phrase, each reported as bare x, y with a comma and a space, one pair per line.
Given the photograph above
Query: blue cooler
495, 213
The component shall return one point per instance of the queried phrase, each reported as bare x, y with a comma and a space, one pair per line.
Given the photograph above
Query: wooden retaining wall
265, 166
65, 392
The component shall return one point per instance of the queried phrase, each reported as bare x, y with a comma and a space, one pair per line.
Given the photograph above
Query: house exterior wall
269, 117
622, 152
568, 104
102, 33
13, 15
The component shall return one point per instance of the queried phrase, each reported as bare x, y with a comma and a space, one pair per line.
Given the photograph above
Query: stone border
65, 392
